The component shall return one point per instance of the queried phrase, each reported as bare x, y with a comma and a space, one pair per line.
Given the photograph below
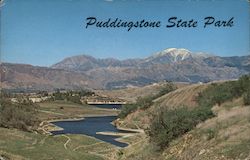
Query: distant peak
81, 56
174, 54
169, 49
175, 49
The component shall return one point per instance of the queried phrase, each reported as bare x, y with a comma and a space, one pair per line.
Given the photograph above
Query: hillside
223, 135
132, 93
19, 142
19, 145
184, 96
171, 64
177, 65
181, 97
22, 76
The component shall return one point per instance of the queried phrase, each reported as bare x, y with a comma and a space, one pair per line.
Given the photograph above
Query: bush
168, 87
170, 124
74, 99
58, 96
144, 102
147, 101
72, 96
246, 97
211, 133
127, 109
21, 115
219, 93
244, 82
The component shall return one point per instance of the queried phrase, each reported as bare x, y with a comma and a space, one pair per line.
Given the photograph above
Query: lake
108, 106
90, 125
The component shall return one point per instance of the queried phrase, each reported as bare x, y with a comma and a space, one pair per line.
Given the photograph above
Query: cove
89, 126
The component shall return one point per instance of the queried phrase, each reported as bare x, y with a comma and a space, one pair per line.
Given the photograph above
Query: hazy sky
45, 32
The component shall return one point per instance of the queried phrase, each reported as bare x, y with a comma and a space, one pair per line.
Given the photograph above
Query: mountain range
85, 71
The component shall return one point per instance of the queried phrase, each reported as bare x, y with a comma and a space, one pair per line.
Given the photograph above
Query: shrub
168, 87
58, 96
144, 102
219, 93
72, 96
147, 101
210, 133
170, 124
21, 115
74, 99
246, 97
127, 109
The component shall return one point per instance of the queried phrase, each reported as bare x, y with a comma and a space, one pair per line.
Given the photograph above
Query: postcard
124, 79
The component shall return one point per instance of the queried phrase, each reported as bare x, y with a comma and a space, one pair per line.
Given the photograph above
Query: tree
19, 115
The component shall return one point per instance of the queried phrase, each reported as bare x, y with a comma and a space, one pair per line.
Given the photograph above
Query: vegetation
66, 110
246, 97
219, 93
127, 109
72, 96
145, 102
18, 115
168, 124
19, 145
168, 87
238, 151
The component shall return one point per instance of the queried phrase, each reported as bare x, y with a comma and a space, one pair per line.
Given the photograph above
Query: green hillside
215, 128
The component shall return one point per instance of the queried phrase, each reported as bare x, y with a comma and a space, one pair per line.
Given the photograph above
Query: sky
45, 32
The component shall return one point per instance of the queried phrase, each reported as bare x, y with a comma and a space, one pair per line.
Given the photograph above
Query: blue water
108, 106
89, 126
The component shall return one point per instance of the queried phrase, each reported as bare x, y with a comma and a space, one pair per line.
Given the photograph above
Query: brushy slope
131, 94
184, 96
19, 145
225, 135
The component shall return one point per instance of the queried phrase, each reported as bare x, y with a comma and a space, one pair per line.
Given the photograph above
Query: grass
139, 149
225, 136
65, 110
238, 151
210, 133
41, 147
184, 96
18, 145
131, 94
181, 97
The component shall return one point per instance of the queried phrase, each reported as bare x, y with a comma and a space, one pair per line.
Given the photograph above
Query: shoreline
53, 127
50, 127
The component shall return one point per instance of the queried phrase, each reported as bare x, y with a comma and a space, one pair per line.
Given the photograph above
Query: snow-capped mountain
172, 55
170, 64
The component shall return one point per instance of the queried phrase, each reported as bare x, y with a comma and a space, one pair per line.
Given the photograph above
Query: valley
174, 104
124, 80
221, 133
41, 144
